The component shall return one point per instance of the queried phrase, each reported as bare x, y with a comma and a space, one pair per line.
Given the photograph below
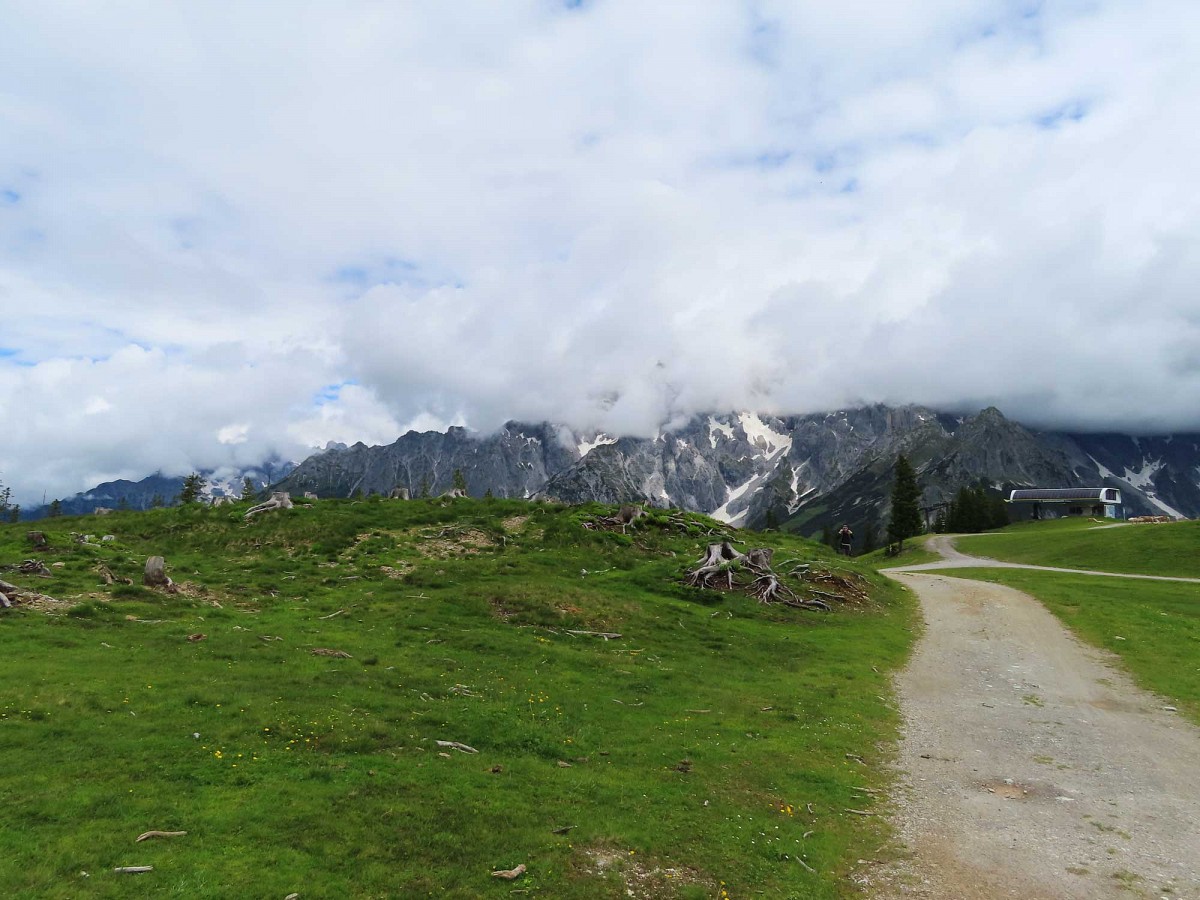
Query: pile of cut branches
724, 568
622, 521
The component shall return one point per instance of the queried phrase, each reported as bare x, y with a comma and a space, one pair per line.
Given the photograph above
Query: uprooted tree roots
723, 567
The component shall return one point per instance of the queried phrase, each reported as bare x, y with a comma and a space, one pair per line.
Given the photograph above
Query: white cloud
607, 216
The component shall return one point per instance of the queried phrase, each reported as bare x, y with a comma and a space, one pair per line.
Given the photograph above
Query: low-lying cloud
235, 230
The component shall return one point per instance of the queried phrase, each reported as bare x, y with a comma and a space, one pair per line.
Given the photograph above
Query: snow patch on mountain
1141, 479
722, 514
585, 446
715, 428
761, 435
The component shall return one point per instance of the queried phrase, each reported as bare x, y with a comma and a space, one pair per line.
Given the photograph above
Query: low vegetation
380, 699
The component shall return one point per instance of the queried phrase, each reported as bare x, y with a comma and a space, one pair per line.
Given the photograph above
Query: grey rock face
516, 461
801, 472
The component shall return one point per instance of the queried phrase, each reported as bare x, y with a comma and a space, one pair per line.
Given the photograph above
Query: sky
232, 229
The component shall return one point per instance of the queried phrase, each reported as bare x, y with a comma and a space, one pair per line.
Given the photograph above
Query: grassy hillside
1153, 626
685, 754
913, 554
1172, 549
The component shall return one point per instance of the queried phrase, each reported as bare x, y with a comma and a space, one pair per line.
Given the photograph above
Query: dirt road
1033, 767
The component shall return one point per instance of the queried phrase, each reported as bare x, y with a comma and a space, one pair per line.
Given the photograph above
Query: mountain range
802, 473
143, 494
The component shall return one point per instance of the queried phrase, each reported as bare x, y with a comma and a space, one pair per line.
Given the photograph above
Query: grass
694, 742
913, 554
1165, 549
1153, 626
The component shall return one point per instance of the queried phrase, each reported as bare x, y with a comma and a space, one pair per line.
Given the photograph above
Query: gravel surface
1032, 766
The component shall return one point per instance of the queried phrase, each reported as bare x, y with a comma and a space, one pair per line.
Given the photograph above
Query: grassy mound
716, 746
1165, 549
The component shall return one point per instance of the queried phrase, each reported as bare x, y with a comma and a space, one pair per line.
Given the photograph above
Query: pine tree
122, 503
193, 487
424, 492
157, 501
55, 509
906, 497
772, 522
460, 481
487, 495
249, 491
14, 513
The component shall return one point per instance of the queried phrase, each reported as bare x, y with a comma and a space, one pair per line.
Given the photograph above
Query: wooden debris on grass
456, 745
30, 567
19, 596
607, 635
197, 637
145, 836
107, 576
327, 651
133, 870
510, 874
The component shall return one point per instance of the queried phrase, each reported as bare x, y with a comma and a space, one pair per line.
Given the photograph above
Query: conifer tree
157, 501
193, 487
55, 509
249, 491
906, 498
122, 503
460, 481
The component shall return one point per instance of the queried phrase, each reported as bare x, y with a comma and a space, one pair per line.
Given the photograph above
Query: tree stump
279, 500
38, 539
156, 573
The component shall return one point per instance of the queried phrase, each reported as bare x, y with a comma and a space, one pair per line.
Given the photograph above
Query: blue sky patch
1071, 111
331, 392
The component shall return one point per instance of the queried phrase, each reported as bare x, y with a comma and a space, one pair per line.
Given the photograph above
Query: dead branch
607, 635
332, 614
157, 834
510, 874
133, 870
455, 745
326, 651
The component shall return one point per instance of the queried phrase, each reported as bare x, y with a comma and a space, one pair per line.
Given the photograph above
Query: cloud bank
234, 229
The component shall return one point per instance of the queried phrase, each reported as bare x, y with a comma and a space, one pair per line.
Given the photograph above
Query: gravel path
1032, 766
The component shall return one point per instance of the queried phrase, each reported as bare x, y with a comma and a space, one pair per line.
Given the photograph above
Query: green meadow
1162, 549
712, 750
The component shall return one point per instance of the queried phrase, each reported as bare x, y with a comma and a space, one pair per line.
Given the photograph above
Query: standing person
845, 539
